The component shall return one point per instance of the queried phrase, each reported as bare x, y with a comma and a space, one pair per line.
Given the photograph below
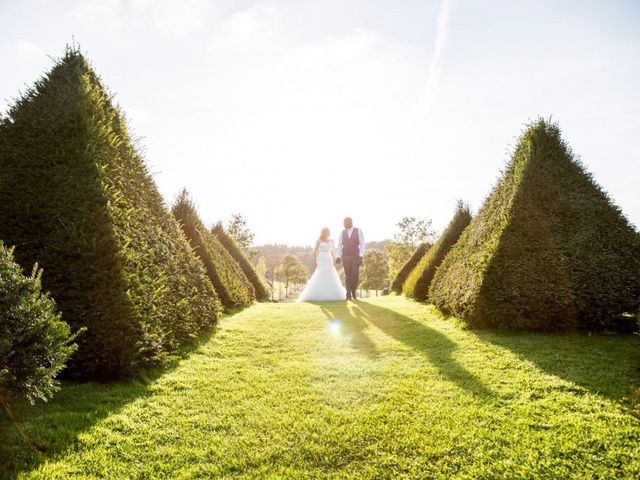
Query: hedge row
34, 342
407, 268
548, 250
76, 197
419, 280
229, 280
230, 244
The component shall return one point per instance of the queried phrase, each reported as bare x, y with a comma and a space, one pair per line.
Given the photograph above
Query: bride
324, 284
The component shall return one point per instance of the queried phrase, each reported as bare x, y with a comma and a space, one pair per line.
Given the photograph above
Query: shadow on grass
351, 326
55, 425
603, 364
356, 317
607, 365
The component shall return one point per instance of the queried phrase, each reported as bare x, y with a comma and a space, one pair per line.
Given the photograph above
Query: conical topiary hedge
76, 197
409, 265
418, 281
229, 280
230, 244
548, 250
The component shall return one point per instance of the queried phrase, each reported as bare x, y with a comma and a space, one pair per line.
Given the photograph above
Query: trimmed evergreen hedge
229, 280
230, 244
409, 265
76, 197
34, 342
548, 250
418, 281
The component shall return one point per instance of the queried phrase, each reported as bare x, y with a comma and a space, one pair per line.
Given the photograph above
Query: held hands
338, 261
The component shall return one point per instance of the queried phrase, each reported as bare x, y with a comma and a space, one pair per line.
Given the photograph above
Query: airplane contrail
434, 65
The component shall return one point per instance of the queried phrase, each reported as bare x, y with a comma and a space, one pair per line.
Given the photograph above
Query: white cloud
300, 117
434, 65
255, 27
102, 12
310, 110
29, 50
173, 18
139, 117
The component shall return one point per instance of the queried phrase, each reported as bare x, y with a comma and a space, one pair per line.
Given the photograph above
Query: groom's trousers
351, 274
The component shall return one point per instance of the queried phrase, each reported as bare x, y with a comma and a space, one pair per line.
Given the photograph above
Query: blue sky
297, 113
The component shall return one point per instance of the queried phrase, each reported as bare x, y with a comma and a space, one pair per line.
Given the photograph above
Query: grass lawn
381, 388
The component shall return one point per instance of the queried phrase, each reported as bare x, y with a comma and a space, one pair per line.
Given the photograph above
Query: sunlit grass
374, 389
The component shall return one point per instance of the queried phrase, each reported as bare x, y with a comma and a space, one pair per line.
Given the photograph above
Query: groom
350, 251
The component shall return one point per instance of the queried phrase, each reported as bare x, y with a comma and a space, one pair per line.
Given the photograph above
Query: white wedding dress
324, 285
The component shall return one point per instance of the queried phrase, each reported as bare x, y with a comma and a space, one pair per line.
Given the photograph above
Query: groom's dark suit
351, 260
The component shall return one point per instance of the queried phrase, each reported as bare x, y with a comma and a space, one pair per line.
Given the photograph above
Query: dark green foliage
76, 197
374, 271
229, 243
407, 268
232, 285
34, 342
547, 251
417, 283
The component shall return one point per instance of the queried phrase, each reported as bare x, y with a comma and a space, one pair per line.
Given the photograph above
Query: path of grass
381, 388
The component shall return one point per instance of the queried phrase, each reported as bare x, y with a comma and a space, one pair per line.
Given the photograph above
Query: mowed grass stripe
376, 389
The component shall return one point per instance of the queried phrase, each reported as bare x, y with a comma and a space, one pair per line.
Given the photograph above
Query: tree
548, 249
411, 232
291, 271
35, 343
374, 271
233, 287
261, 267
230, 244
237, 228
409, 265
76, 197
273, 255
419, 279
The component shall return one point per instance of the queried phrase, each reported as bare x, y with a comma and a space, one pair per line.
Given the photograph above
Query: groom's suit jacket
351, 243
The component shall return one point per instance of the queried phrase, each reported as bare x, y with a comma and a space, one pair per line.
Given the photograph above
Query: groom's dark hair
348, 222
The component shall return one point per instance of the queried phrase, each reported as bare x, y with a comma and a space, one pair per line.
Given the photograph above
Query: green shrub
407, 268
230, 244
35, 343
76, 197
229, 280
548, 250
418, 281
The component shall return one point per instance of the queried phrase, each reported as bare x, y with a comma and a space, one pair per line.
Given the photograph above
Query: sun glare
334, 326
